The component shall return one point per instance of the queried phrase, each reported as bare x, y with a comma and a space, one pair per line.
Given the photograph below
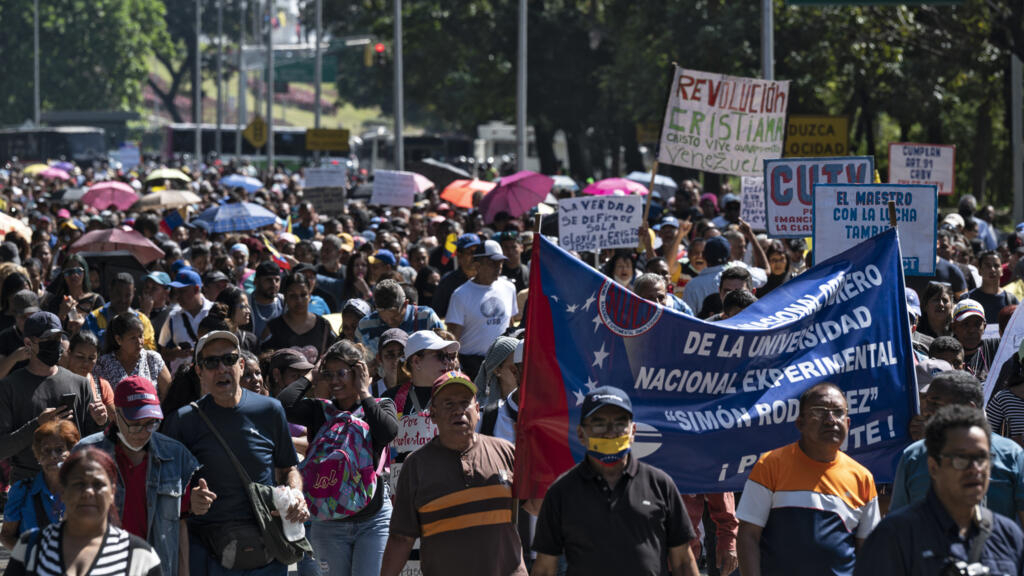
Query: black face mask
50, 352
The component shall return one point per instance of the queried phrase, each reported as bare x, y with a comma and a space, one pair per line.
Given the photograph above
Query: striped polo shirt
818, 508
460, 506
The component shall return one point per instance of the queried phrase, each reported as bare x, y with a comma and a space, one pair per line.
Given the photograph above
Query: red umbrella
103, 195
113, 239
615, 187
516, 194
460, 192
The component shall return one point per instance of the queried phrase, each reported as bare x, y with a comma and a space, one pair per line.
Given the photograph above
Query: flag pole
650, 189
892, 213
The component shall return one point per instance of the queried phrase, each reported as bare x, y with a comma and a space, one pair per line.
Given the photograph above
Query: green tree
92, 54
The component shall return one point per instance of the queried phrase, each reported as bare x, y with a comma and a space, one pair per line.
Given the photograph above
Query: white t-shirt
484, 313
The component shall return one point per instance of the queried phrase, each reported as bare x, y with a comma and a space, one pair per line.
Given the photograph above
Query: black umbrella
440, 173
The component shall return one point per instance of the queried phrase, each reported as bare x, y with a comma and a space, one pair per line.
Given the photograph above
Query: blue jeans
351, 548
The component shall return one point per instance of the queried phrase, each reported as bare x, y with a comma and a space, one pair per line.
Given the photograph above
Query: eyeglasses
212, 362
446, 356
78, 271
822, 413
962, 461
146, 426
339, 374
606, 427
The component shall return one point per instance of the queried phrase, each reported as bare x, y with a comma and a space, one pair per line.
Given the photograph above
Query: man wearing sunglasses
255, 429
807, 496
145, 458
950, 531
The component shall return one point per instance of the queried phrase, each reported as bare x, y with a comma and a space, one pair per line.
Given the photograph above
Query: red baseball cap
136, 397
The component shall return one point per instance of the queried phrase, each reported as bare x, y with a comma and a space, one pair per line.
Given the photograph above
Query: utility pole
35, 78
399, 100
242, 77
270, 87
521, 136
767, 40
197, 89
220, 75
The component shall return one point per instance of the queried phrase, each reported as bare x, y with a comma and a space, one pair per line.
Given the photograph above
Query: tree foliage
93, 54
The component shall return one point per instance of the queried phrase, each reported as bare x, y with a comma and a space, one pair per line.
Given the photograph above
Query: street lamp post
220, 75
242, 76
399, 101
197, 88
521, 137
35, 71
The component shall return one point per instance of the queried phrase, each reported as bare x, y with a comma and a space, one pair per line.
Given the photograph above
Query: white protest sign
913, 163
326, 177
789, 185
593, 223
1009, 344
393, 188
723, 124
846, 214
752, 201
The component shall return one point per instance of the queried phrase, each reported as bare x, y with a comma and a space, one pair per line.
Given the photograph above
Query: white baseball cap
427, 340
492, 250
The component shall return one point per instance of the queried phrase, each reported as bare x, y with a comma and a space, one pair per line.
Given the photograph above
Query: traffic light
381, 53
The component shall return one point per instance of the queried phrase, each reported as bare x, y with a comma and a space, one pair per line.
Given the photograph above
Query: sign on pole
752, 201
788, 188
256, 132
590, 224
809, 136
846, 214
723, 124
913, 163
327, 139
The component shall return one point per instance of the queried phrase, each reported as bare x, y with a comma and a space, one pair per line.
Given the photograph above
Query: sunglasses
74, 271
212, 362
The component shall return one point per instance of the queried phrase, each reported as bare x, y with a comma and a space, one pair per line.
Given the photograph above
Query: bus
84, 145
375, 149
180, 140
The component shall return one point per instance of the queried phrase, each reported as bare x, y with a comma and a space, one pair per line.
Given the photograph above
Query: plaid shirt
416, 318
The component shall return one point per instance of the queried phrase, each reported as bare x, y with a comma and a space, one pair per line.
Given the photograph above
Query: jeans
351, 548
202, 563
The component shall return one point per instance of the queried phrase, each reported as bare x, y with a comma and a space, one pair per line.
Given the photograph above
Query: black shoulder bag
242, 545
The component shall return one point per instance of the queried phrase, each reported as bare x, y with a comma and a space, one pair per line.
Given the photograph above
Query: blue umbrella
237, 180
237, 216
662, 183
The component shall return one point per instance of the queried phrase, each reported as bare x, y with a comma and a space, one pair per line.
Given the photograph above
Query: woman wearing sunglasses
72, 291
351, 544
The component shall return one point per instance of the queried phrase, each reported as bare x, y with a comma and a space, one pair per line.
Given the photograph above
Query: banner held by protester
592, 223
789, 187
752, 201
709, 398
723, 124
913, 163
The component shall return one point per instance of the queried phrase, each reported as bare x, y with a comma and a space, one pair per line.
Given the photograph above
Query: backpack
338, 475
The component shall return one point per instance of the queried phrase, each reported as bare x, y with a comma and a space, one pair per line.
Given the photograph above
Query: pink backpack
338, 475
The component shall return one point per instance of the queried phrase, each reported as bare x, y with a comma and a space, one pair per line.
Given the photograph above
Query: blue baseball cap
161, 278
467, 241
385, 256
187, 278
670, 221
605, 396
913, 303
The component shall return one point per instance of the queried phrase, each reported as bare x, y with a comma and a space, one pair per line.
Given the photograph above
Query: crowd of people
369, 363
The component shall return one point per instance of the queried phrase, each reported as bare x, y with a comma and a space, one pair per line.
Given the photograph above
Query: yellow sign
256, 132
648, 132
326, 139
808, 136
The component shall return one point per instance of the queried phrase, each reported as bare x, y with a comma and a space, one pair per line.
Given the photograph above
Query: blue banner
709, 398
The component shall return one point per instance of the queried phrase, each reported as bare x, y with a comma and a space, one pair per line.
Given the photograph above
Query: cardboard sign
723, 124
847, 214
789, 183
326, 177
593, 223
752, 201
394, 188
810, 136
913, 163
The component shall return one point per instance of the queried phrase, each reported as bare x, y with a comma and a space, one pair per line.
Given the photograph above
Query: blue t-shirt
21, 505
257, 432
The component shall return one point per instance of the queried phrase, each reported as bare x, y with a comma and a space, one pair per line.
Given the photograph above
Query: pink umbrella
103, 195
118, 239
615, 187
516, 194
52, 173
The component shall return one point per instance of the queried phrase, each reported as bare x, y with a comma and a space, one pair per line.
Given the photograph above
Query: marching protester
390, 350
124, 354
393, 310
969, 330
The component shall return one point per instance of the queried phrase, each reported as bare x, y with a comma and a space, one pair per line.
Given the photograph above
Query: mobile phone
68, 401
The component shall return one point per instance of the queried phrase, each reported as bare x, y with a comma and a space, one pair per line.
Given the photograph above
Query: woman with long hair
779, 270
35, 502
14, 282
88, 537
351, 545
297, 327
936, 311
71, 290
357, 271
239, 315
83, 352
124, 355
426, 283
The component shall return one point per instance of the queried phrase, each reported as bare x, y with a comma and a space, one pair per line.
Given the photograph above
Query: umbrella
167, 174
35, 169
10, 224
564, 183
113, 239
460, 192
68, 195
166, 199
52, 173
103, 195
440, 173
237, 180
237, 216
662, 184
516, 194
66, 166
615, 187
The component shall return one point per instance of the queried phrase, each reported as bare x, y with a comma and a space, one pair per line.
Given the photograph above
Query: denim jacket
168, 474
